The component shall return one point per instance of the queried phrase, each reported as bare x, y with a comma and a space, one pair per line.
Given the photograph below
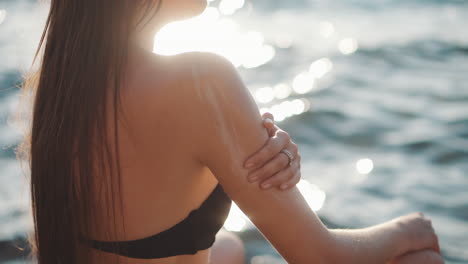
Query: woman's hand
422, 245
418, 232
426, 256
391, 242
269, 165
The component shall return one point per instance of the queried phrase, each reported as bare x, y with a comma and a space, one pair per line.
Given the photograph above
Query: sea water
374, 92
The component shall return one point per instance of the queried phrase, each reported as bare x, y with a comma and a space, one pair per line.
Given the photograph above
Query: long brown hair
81, 59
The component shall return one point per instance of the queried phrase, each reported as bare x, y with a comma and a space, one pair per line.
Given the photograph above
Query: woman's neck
144, 37
145, 40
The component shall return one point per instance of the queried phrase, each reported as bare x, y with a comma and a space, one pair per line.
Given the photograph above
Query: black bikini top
196, 232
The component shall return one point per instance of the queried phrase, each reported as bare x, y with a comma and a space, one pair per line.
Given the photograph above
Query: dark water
398, 99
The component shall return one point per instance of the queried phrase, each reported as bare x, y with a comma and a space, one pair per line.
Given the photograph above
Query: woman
129, 150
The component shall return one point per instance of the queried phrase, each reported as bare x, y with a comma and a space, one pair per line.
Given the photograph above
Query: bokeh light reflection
236, 220
303, 83
3, 14
265, 95
365, 166
282, 91
287, 109
321, 67
326, 29
348, 46
283, 41
313, 195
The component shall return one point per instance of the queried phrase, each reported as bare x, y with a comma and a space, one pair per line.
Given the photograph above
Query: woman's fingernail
266, 185
283, 186
249, 165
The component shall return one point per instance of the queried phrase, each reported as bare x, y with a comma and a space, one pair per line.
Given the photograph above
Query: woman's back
161, 179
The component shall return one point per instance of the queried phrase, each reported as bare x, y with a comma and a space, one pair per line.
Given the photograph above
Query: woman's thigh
227, 249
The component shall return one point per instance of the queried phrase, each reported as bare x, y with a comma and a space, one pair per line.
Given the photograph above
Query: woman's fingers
269, 165
296, 170
272, 148
269, 116
278, 163
285, 176
424, 256
292, 182
269, 123
434, 238
435, 241
436, 245
418, 232
277, 172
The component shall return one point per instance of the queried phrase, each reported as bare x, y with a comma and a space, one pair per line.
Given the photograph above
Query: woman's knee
227, 249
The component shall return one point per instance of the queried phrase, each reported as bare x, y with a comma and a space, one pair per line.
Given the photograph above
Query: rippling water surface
374, 92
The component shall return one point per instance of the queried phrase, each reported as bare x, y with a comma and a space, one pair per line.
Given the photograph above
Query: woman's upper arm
229, 129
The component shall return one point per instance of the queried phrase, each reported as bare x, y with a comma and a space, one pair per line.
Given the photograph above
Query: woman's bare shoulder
185, 73
204, 65
181, 88
207, 60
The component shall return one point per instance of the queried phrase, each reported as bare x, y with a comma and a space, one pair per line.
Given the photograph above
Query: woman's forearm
377, 244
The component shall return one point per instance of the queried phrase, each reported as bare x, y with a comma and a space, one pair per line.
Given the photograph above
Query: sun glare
213, 31
228, 7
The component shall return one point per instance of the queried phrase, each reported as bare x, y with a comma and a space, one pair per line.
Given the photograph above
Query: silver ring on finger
289, 154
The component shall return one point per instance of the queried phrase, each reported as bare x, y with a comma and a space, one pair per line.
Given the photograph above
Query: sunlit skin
191, 123
267, 164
